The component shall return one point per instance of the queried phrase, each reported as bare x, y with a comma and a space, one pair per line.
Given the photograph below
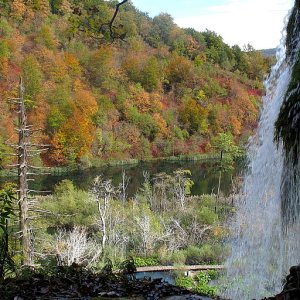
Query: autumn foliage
156, 90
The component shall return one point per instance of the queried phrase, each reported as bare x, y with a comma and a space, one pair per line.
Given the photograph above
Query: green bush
207, 216
209, 253
70, 206
178, 257
146, 261
4, 49
202, 284
206, 254
199, 283
193, 256
207, 201
185, 282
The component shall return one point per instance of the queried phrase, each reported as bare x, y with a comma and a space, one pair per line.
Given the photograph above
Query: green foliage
161, 30
99, 67
60, 106
202, 284
46, 38
7, 199
146, 261
287, 124
185, 282
193, 256
206, 254
70, 206
33, 77
80, 50
224, 143
4, 154
199, 283
150, 75
193, 116
4, 49
187, 88
5, 29
207, 216
144, 121
55, 6
178, 70
178, 257
212, 88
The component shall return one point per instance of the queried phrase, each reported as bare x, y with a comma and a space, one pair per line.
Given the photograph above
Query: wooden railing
183, 268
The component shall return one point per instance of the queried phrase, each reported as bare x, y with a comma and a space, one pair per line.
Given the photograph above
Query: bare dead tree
24, 150
103, 192
75, 247
123, 186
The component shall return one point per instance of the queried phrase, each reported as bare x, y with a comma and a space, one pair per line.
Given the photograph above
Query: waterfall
263, 244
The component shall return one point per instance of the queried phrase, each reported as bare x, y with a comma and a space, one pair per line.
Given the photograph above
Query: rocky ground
77, 283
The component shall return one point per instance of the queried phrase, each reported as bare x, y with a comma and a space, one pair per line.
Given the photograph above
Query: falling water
262, 251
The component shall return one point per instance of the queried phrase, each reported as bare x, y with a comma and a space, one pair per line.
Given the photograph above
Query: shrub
209, 253
207, 216
185, 282
206, 254
146, 261
193, 256
202, 284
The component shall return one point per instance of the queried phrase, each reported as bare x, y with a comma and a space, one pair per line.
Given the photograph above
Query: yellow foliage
161, 123
54, 66
65, 7
156, 104
42, 7
73, 64
218, 231
236, 125
18, 9
84, 99
4, 67
140, 99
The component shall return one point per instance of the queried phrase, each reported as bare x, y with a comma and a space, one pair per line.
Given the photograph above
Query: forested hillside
146, 88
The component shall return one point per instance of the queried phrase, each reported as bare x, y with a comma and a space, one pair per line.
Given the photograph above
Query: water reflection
204, 174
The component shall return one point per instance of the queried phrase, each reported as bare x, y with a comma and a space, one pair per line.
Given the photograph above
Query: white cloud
257, 22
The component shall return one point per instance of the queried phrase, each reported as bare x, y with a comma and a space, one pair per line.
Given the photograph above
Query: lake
204, 175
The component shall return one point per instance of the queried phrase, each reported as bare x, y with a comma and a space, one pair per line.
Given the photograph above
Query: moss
288, 121
290, 38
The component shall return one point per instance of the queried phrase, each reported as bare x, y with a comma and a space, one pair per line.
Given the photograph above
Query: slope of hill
268, 52
153, 90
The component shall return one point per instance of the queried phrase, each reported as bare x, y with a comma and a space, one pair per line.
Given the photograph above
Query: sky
255, 22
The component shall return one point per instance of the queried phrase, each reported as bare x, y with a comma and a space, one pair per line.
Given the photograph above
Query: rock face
291, 290
288, 124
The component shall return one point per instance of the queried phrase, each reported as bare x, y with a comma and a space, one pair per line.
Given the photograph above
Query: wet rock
291, 289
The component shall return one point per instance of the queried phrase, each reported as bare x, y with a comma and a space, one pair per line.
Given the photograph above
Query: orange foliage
161, 123
18, 9
156, 102
53, 64
84, 99
140, 99
73, 65
76, 136
235, 125
4, 66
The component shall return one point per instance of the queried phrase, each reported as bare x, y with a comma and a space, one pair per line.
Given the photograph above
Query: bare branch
110, 24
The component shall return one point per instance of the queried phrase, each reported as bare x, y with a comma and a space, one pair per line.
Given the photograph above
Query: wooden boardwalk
183, 268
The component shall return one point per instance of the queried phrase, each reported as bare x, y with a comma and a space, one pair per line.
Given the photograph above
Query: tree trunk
23, 185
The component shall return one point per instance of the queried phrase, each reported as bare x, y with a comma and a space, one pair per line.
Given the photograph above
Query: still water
204, 175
